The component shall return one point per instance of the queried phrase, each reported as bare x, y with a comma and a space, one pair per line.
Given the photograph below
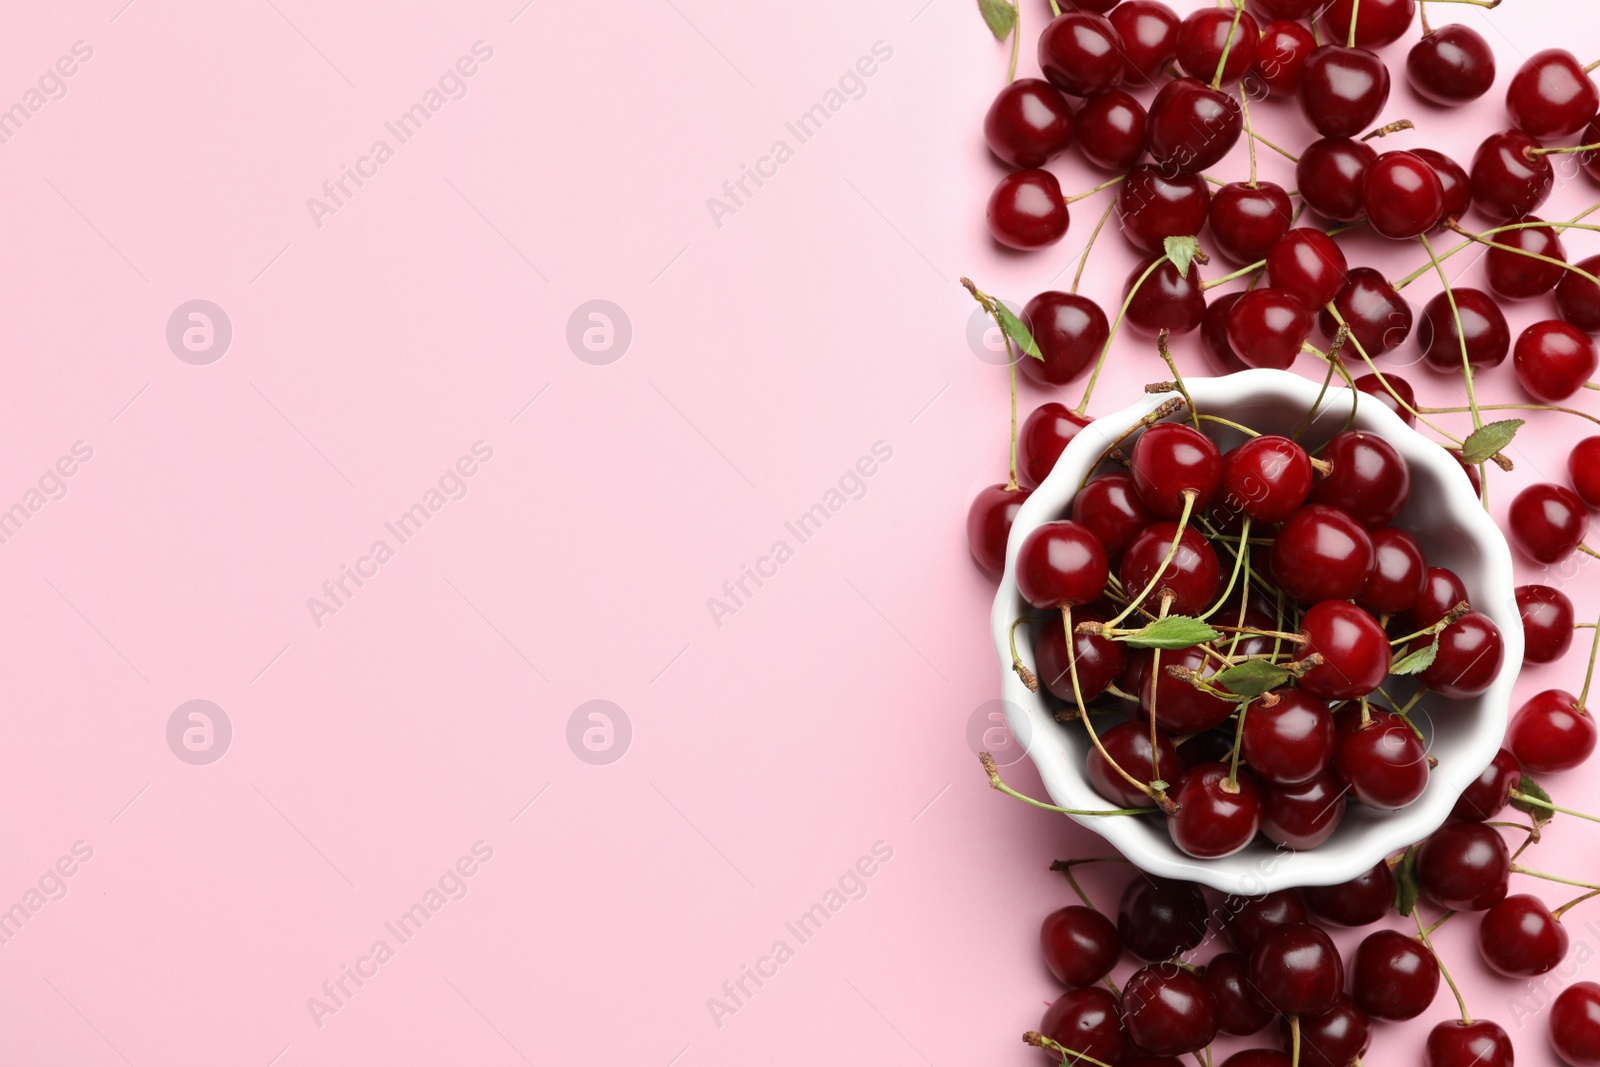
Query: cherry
1155, 206
1129, 745
1044, 436
1290, 9
1507, 182
1110, 507
1583, 468
1379, 390
1167, 1010
1393, 976
1088, 1021
1070, 331
1519, 938
1267, 478
1490, 792
1342, 90
1518, 277
1181, 707
1469, 657
1383, 761
1548, 522
1578, 299
1451, 66
1152, 1061
1362, 901
1166, 300
1551, 95
1290, 742
1081, 53
1378, 22
1258, 1057
1269, 328
1205, 34
1192, 126
1454, 1043
1296, 970
1442, 590
1488, 336
1281, 56
1247, 220
1112, 130
1171, 459
1158, 918
1060, 564
1099, 7
1322, 554
1354, 649
1099, 660
1464, 866
1402, 195
1239, 1011
1575, 1024
1334, 1038
1398, 575
1332, 174
1214, 335
1249, 918
1080, 945
1149, 31
1216, 816
1553, 360
1192, 578
1303, 816
1369, 480
1552, 732
1028, 124
1379, 321
1453, 179
1026, 210
1308, 264
989, 521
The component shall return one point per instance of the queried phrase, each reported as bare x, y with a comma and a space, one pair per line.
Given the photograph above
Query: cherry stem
1016, 40
1439, 627
1220, 421
1393, 127
1524, 798
1294, 1041
1155, 692
1087, 193
1440, 921
1588, 678
1559, 227
1591, 67
1327, 380
1055, 8
989, 304
1355, 10
1189, 497
1076, 888
995, 783
1517, 868
1422, 932
1244, 106
1088, 391
1461, 330
1083, 260
1238, 746
1227, 46
1038, 1040
1422, 10
1165, 408
1531, 152
1510, 407
1361, 350
1569, 905
1240, 273
1563, 264
1233, 579
1088, 724
1029, 679
1177, 378
1284, 152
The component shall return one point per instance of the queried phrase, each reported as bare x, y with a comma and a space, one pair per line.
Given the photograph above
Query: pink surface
410, 739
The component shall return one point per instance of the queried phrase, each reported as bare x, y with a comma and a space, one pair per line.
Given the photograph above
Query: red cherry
1080, 945
1099, 660
1171, 459
1575, 1024
1399, 573
1362, 901
1112, 130
1247, 220
1518, 277
1028, 124
1380, 390
1452, 178
1578, 299
1154, 206
1290, 742
1333, 1038
1060, 564
1402, 195
1181, 707
1290, 9
1247, 919
1267, 478
1110, 507
1442, 590
1369, 480
1205, 34
1469, 657
1296, 970
1332, 175
1239, 1011
1215, 818
989, 521
1301, 817
1465, 866
1088, 1021
1551, 732
1354, 649
1192, 126
1258, 1057
1457, 1044
1281, 56
1379, 320
1507, 182
1026, 210
1214, 335
1519, 938
1099, 7
1129, 746
1070, 330
1378, 22
1191, 580
1166, 300
1342, 90
1045, 434
1081, 53
1551, 95
1583, 467
1548, 522
1383, 760
1158, 918
1393, 976
1490, 792
1168, 1010
1308, 264
1149, 32
1553, 360
1321, 554
1488, 336
1268, 328
1547, 620
1451, 66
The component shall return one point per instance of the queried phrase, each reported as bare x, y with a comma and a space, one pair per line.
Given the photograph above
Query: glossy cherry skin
1398, 575
1099, 7
1552, 733
1158, 918
1309, 264
1080, 945
1247, 220
1393, 976
1247, 919
1378, 22
1303, 816
1342, 90
1583, 468
1382, 760
1110, 507
1113, 130
1490, 792
1026, 210
1518, 277
1129, 745
1099, 662
1215, 819
1149, 32
1268, 328
1239, 1011
1070, 331
1045, 434
1454, 1043
1548, 522
989, 521
1081, 53
1361, 901
1551, 95
1258, 1057
1470, 653
1205, 34
1296, 970
1193, 578
1578, 299
1442, 590
1028, 124
1088, 1021
1321, 554
1553, 360
1289, 9
1451, 66
1171, 459
1154, 206
1402, 195
1168, 1010
1332, 176
1290, 742
1453, 178
1389, 391
1333, 1038
1507, 183
1488, 336
1267, 478
1575, 1024
1166, 300
1180, 707
1369, 480
1281, 56
1214, 335
1519, 938
1354, 649
1061, 564
1465, 866
1192, 126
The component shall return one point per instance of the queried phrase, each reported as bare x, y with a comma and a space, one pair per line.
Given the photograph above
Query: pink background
768, 754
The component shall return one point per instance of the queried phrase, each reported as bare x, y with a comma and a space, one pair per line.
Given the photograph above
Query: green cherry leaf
1170, 633
1181, 250
1489, 440
1418, 661
1406, 886
1531, 788
1018, 331
1001, 17
1251, 678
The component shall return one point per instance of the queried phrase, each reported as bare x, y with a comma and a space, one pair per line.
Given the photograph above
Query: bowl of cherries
1257, 633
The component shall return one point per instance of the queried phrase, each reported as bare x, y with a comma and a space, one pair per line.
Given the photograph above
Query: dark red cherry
1045, 434
1207, 33
1308, 264
1548, 522
1296, 970
1160, 917
1099, 661
1239, 1011
1469, 657
1081, 53
1507, 182
1215, 817
1442, 590
1575, 1025
1383, 761
1518, 277
1378, 23
1519, 938
1362, 901
1154, 206
1488, 336
1028, 124
1452, 178
1289, 9
1354, 649
1080, 945
1393, 976
1070, 330
1171, 459
1129, 746
1247, 220
1268, 328
1289, 742
1112, 510
1578, 299
1281, 56
989, 521
1583, 467
1247, 919
1465, 866
1099, 7
1301, 817
1490, 792
1149, 31
1379, 320
1192, 126
1191, 580
1061, 564
1402, 195
1167, 1010
1322, 554
1553, 360
1385, 389
1112, 130
1026, 210
1551, 95
1454, 1043
1088, 1021
1398, 575
1342, 90
1333, 1038
1332, 175
1258, 1057
1214, 335
1551, 732
1267, 478
1180, 707
1451, 66
1166, 300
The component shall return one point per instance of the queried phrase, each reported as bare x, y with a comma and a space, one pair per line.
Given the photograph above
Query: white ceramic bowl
1453, 529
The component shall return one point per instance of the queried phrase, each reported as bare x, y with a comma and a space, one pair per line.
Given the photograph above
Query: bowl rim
1246, 872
